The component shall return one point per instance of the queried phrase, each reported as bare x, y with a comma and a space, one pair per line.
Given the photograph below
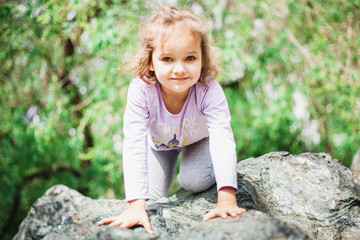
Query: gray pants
196, 170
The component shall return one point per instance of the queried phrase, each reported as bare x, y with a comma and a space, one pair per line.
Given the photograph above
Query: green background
290, 72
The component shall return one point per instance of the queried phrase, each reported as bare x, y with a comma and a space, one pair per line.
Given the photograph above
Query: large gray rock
48, 212
179, 217
313, 191
288, 196
251, 225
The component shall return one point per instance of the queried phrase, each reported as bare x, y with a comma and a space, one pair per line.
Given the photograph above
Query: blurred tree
61, 99
291, 72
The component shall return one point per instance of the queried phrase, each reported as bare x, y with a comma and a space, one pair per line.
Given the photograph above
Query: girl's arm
221, 140
222, 150
134, 159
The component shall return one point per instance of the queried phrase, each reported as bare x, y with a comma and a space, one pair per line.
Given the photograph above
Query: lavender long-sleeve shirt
147, 121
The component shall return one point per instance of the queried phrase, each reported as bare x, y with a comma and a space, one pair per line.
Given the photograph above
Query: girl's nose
179, 68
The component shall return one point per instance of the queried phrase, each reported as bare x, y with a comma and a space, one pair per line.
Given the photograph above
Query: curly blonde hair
165, 21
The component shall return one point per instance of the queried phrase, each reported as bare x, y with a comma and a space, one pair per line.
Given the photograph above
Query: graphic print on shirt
190, 130
173, 142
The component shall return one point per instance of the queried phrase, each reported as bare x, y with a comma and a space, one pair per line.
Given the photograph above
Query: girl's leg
196, 170
161, 165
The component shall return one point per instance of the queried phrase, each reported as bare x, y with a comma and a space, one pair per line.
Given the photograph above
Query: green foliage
291, 72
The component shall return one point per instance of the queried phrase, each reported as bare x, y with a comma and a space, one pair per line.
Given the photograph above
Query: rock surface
49, 211
179, 217
251, 225
313, 191
287, 197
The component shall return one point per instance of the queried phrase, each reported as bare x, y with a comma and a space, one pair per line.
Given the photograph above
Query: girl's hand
134, 215
226, 205
223, 210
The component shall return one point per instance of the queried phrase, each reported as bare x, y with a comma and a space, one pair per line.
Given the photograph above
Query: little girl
174, 106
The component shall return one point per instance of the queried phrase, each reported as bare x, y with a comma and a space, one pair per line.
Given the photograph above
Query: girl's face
177, 63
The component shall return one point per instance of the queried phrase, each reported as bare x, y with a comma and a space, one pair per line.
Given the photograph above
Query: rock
313, 191
48, 212
179, 217
82, 225
109, 233
251, 225
287, 197
355, 165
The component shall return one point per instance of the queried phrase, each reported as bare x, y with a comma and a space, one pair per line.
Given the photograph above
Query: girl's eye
190, 58
167, 59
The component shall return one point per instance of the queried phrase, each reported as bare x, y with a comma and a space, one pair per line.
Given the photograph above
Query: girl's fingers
148, 227
241, 211
236, 212
209, 215
106, 220
233, 214
116, 223
125, 225
224, 213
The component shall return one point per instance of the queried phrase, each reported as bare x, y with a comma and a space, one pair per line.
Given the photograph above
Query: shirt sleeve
222, 144
136, 118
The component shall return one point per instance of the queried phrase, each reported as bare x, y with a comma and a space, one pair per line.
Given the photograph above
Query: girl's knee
196, 185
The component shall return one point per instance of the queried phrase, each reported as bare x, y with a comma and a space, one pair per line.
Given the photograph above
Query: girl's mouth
179, 79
